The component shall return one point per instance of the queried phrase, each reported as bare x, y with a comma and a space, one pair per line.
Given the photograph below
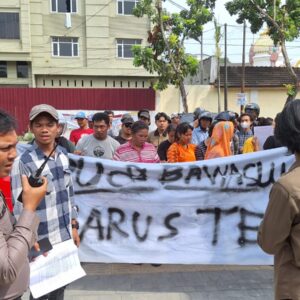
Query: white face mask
245, 125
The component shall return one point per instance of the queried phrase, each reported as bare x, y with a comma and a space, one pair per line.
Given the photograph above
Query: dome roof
263, 44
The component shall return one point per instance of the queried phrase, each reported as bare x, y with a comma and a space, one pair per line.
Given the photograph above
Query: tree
165, 55
283, 21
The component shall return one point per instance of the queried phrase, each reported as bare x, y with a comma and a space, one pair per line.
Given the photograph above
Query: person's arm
80, 147
14, 248
116, 156
275, 228
172, 154
72, 138
71, 146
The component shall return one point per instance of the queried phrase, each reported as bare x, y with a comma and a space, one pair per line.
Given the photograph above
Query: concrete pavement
172, 282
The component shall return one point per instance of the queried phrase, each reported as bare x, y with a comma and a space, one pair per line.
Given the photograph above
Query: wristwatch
75, 224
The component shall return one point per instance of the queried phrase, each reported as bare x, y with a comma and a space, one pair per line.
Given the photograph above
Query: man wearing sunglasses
125, 132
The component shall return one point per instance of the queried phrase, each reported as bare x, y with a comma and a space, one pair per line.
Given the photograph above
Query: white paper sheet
59, 268
262, 133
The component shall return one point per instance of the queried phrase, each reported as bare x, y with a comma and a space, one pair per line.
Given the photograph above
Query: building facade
71, 43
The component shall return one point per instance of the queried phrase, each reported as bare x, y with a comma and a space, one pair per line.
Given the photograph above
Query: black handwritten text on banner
202, 213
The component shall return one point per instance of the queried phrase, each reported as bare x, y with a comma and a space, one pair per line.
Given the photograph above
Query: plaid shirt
57, 208
243, 136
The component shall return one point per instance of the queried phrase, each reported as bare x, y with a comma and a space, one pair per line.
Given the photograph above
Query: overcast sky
234, 34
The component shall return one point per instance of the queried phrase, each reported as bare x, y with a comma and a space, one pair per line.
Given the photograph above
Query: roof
257, 76
263, 44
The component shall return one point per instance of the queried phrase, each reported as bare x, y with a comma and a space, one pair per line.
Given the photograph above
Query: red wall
19, 101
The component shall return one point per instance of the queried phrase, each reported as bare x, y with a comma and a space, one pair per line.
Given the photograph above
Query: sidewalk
172, 282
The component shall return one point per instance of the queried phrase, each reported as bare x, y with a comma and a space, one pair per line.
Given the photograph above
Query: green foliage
165, 55
291, 90
285, 13
218, 36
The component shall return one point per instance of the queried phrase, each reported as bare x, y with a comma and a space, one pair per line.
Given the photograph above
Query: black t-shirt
163, 149
120, 139
271, 143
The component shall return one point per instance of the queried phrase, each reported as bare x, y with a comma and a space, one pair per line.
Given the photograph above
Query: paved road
172, 282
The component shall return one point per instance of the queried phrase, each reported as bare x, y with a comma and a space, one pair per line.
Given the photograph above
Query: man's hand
36, 246
76, 237
32, 196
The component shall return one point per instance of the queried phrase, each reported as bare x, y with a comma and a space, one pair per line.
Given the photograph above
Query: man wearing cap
56, 211
144, 116
175, 119
200, 133
83, 129
125, 132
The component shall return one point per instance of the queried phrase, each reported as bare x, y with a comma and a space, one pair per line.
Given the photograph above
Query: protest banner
205, 212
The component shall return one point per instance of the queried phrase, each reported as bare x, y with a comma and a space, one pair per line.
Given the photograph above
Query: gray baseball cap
127, 118
38, 109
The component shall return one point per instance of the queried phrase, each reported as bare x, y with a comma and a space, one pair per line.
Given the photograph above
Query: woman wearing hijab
219, 143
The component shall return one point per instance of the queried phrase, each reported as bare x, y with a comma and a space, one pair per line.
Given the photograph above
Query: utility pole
243, 65
225, 67
201, 63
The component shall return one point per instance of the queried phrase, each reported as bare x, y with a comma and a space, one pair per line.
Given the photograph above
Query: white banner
205, 212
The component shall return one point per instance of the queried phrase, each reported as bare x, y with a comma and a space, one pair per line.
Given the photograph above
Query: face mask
245, 125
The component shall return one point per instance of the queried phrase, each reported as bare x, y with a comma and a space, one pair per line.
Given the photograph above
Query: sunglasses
128, 125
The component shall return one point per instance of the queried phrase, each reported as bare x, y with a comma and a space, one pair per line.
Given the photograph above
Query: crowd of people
208, 136
50, 209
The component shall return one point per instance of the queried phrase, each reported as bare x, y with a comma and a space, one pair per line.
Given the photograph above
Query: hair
264, 121
182, 128
170, 128
244, 115
211, 127
7, 123
137, 126
142, 110
161, 115
287, 129
101, 117
109, 112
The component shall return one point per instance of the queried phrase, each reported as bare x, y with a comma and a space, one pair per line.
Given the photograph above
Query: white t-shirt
90, 146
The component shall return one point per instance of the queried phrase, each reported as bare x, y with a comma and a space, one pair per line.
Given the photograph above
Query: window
22, 69
64, 46
3, 69
125, 7
124, 47
9, 26
63, 6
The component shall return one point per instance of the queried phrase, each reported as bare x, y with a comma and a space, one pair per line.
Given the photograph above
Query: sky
234, 35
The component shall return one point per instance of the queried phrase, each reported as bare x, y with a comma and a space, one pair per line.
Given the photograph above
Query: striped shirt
147, 154
57, 208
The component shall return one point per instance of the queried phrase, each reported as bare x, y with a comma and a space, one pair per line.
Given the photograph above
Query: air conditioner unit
68, 20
